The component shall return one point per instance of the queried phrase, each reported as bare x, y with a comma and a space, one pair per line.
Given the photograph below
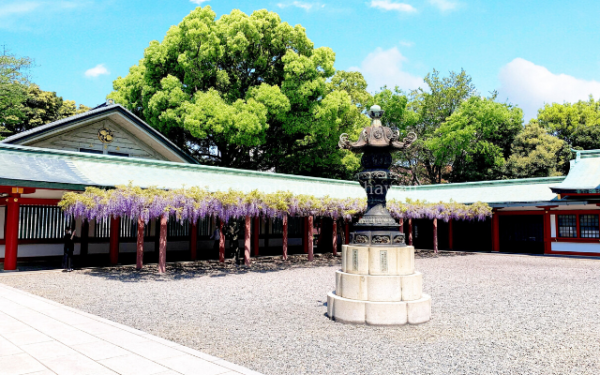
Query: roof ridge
160, 163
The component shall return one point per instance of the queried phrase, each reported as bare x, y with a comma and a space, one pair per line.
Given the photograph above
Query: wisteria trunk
435, 236
310, 238
410, 233
285, 237
334, 238
139, 259
247, 233
162, 245
221, 242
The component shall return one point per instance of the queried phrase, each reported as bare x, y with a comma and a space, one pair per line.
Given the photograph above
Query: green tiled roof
44, 168
584, 174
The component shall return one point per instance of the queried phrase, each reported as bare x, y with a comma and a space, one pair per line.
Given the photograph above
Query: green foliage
246, 92
431, 108
564, 120
535, 153
476, 139
13, 90
43, 107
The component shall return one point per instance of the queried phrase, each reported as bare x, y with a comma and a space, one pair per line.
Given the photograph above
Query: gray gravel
492, 314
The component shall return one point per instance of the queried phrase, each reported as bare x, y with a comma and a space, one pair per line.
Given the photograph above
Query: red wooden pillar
193, 241
547, 234
247, 232
255, 236
305, 236
401, 229
310, 238
162, 245
139, 259
285, 237
435, 236
334, 238
115, 226
221, 242
347, 233
450, 235
495, 232
11, 235
410, 233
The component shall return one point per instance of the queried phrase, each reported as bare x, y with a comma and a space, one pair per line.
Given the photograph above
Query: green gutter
42, 184
496, 183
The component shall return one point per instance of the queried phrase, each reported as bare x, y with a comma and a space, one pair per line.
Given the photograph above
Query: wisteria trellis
195, 203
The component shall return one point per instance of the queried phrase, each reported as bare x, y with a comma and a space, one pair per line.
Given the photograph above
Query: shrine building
109, 146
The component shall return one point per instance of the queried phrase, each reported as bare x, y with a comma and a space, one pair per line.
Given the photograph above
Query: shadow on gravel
212, 268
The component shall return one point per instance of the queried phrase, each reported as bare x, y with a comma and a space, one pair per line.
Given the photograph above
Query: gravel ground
492, 314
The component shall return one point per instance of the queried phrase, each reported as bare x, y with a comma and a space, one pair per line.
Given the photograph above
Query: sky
531, 51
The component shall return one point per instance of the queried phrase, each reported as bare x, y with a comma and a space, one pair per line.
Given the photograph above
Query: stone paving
39, 337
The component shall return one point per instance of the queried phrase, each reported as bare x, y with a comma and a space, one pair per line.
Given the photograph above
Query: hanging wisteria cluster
196, 203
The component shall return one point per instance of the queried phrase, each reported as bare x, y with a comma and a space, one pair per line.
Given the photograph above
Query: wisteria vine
196, 203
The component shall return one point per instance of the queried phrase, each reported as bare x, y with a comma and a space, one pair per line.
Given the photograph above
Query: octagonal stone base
378, 285
346, 310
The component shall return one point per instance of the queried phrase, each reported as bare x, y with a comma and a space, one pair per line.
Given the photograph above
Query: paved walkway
39, 337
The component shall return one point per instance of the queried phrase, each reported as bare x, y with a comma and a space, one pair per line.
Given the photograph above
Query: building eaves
107, 109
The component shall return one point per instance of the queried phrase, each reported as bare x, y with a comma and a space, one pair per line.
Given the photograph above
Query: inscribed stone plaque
355, 259
383, 260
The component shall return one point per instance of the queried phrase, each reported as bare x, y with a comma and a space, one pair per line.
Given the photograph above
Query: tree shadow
209, 268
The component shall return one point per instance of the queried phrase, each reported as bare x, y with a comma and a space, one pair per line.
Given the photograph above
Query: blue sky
531, 51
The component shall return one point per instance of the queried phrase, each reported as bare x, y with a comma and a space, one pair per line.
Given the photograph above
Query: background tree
246, 92
432, 106
13, 90
42, 107
535, 153
396, 116
476, 139
563, 120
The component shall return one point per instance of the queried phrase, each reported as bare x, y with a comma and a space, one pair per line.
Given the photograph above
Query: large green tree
535, 153
427, 109
42, 107
13, 90
246, 92
476, 140
565, 120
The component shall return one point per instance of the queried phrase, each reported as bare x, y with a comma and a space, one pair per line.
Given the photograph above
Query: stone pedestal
378, 285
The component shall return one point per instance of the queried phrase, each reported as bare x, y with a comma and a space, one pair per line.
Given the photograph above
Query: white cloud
390, 5
199, 1
384, 67
530, 86
96, 71
405, 43
302, 5
444, 5
15, 8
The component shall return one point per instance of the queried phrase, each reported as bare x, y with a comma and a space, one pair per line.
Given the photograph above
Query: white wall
576, 247
2, 221
44, 250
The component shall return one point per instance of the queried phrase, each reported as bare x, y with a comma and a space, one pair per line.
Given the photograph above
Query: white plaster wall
552, 225
576, 247
44, 250
2, 221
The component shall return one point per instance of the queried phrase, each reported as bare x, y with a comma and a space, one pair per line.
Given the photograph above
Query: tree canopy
246, 91
23, 105
535, 153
